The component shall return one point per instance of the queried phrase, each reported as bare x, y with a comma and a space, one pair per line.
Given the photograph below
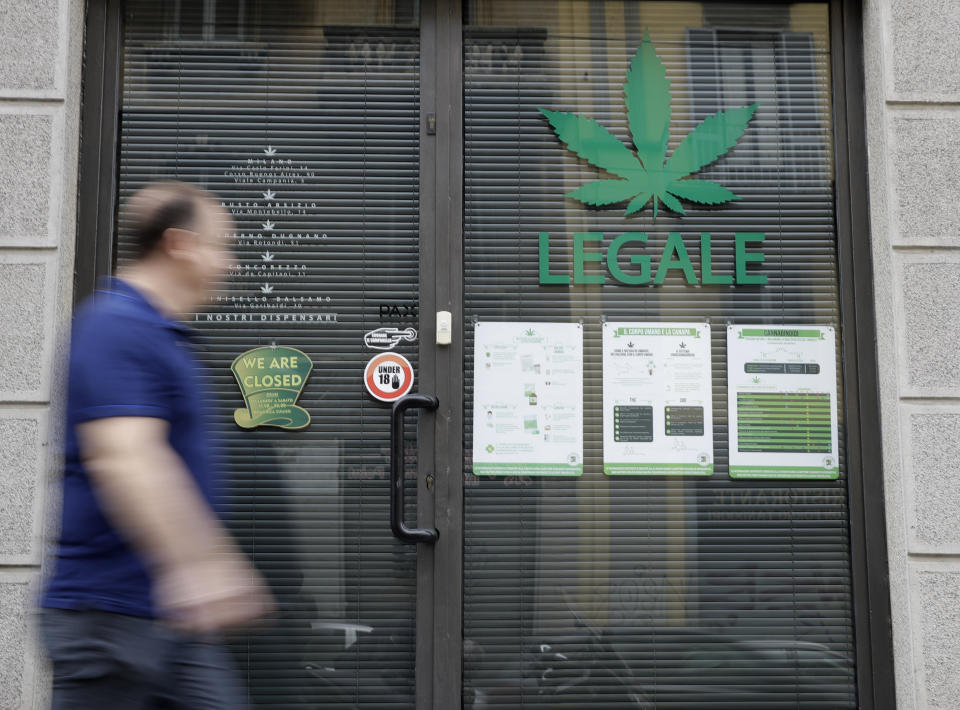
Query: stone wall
40, 60
913, 114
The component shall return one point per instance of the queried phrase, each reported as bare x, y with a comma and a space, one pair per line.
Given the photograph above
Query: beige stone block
937, 605
924, 63
928, 290
27, 296
22, 453
932, 477
923, 169
31, 35
14, 645
31, 143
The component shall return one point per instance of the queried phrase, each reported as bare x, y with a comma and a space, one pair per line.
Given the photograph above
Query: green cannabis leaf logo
648, 173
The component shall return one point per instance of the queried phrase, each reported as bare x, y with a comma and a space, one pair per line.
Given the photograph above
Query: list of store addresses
266, 247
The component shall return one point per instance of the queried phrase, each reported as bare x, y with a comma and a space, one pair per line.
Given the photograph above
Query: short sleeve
117, 369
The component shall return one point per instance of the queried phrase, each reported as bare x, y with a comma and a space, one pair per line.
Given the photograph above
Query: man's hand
217, 594
201, 581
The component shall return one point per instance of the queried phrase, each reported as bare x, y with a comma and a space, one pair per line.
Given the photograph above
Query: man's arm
200, 580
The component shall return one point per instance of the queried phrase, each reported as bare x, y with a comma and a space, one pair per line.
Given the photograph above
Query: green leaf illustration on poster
271, 380
648, 174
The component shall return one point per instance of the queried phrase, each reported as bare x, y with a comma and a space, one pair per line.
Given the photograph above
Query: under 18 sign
388, 376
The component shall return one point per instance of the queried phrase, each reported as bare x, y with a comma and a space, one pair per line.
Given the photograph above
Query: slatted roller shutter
659, 592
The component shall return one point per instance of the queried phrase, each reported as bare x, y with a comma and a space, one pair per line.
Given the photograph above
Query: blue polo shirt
126, 360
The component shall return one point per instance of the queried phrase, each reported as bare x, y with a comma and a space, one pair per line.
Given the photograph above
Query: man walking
145, 573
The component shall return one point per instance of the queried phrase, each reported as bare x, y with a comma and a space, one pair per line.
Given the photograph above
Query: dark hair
162, 206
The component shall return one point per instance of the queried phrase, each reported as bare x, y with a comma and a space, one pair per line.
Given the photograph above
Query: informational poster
528, 399
657, 402
782, 389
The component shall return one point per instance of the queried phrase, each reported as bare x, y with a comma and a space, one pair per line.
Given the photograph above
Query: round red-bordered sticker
388, 376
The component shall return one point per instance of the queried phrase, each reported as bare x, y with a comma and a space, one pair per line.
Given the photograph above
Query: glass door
660, 579
303, 117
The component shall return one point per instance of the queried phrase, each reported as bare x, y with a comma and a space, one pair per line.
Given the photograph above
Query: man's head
178, 232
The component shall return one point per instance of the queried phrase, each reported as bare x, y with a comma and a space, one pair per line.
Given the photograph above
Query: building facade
784, 179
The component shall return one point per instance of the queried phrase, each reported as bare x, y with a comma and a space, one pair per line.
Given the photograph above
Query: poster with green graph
782, 399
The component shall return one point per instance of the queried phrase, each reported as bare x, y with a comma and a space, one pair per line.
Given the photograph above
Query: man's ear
178, 243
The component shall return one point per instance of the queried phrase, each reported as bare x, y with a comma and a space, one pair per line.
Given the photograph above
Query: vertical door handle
400, 529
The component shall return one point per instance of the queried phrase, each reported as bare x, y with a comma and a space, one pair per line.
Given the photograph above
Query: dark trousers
103, 660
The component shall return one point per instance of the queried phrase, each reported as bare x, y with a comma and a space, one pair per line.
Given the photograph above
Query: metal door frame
440, 567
